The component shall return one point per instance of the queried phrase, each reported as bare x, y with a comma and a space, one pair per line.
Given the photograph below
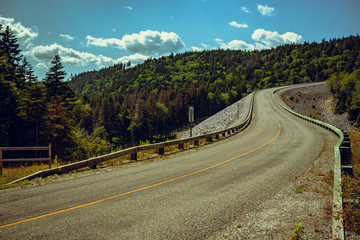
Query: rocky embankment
225, 118
316, 102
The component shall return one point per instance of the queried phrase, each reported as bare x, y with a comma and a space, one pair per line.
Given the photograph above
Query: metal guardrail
338, 227
92, 162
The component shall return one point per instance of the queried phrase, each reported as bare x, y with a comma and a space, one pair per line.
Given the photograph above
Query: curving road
188, 196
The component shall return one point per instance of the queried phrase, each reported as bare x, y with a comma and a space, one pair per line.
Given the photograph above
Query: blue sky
91, 34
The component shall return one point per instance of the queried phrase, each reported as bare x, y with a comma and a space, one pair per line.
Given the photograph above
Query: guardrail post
133, 156
50, 158
161, 151
92, 165
217, 136
347, 170
345, 144
209, 139
224, 134
1, 164
181, 146
196, 142
345, 156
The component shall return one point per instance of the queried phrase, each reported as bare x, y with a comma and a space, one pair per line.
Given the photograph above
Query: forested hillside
152, 99
120, 106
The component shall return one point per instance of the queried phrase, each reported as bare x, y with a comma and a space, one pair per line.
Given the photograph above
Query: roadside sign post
191, 118
238, 110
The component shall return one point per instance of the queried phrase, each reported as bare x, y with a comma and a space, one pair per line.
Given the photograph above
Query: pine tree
61, 102
54, 80
8, 43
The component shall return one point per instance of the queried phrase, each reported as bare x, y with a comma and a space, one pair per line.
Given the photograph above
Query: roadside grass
12, 173
351, 188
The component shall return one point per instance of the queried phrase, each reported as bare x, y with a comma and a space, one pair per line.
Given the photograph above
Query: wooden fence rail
46, 148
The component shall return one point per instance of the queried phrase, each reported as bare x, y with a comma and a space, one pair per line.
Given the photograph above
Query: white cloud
245, 10
23, 34
237, 44
205, 45
264, 40
238, 25
273, 39
196, 49
41, 66
45, 54
146, 42
67, 37
129, 8
134, 59
110, 42
219, 40
265, 10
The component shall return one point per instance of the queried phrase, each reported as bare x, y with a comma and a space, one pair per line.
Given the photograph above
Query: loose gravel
228, 117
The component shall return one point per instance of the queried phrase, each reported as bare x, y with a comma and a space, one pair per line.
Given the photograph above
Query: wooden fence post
161, 151
133, 156
1, 164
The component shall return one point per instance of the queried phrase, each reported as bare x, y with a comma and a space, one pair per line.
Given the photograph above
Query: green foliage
346, 90
88, 145
298, 229
126, 100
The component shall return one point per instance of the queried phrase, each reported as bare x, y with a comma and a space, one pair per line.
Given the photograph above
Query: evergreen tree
8, 43
54, 80
61, 102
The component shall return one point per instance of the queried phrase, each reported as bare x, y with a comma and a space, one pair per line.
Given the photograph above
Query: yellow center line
150, 186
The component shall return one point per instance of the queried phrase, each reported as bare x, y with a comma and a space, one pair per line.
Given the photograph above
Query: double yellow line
150, 186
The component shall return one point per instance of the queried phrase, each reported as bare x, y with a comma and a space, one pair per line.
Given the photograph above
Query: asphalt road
188, 196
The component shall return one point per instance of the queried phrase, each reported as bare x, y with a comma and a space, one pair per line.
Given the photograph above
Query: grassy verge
351, 188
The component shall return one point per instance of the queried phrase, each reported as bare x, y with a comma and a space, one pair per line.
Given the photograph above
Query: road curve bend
187, 196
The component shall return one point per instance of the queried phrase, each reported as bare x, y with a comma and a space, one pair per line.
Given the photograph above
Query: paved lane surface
188, 196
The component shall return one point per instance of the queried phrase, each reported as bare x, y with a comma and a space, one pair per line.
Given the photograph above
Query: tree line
121, 106
36, 113
151, 100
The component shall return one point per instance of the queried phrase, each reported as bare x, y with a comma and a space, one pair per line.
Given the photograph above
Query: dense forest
152, 99
119, 106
